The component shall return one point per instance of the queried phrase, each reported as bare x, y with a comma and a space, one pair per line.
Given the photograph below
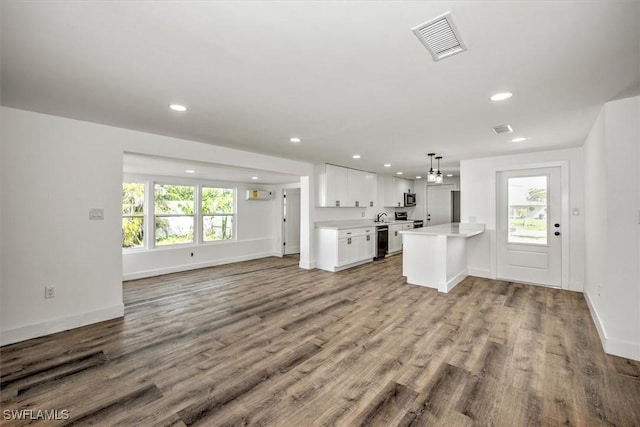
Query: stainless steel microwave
409, 199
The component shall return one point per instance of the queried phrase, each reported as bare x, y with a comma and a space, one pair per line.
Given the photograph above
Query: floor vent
502, 129
440, 36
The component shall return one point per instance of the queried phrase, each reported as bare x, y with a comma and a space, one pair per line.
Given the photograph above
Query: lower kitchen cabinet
395, 237
340, 249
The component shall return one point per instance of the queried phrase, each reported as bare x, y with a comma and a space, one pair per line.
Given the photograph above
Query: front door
529, 233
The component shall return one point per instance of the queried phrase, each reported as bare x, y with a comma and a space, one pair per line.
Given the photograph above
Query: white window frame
233, 215
144, 216
154, 215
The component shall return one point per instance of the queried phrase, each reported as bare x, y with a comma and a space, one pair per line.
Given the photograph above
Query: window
132, 215
174, 215
217, 213
528, 210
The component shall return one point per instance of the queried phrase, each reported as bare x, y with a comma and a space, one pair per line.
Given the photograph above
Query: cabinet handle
368, 238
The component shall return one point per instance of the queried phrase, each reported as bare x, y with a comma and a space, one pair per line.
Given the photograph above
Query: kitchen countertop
357, 223
451, 230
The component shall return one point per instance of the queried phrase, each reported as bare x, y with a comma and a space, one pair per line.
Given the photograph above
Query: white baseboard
307, 265
194, 266
451, 283
617, 347
479, 272
58, 325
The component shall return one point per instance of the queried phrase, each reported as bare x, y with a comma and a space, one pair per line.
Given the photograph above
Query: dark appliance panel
382, 241
409, 200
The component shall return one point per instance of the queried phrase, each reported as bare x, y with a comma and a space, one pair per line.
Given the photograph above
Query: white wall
53, 171
612, 213
51, 177
478, 204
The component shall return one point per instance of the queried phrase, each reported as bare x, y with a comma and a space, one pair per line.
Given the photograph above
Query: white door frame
564, 186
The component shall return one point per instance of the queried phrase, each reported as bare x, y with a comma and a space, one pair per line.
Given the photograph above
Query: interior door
529, 233
291, 221
438, 204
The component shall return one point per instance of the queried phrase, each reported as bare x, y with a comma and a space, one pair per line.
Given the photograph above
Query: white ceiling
134, 163
346, 76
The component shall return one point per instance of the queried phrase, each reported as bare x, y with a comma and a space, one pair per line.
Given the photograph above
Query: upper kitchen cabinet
344, 187
394, 189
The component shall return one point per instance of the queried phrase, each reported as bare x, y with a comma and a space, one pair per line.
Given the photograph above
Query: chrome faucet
379, 216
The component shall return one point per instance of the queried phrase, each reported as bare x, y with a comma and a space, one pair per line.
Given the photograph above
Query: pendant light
431, 176
439, 173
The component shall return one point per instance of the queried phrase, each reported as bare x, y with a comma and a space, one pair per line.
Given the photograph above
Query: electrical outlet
49, 291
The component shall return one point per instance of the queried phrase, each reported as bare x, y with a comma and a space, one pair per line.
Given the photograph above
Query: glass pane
528, 210
217, 227
217, 200
174, 199
133, 232
132, 198
172, 230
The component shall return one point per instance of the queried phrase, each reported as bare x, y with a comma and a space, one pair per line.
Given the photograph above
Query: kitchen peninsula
436, 256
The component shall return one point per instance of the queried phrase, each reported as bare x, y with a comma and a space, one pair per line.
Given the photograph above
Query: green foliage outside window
217, 213
174, 213
132, 215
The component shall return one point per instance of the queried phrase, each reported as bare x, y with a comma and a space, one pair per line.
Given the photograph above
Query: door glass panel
528, 219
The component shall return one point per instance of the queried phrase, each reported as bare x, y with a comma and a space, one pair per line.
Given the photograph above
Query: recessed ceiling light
254, 177
398, 173
519, 139
295, 139
190, 171
387, 165
449, 175
501, 96
418, 177
356, 156
178, 107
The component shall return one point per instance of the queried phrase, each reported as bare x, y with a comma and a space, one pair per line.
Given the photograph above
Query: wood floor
266, 343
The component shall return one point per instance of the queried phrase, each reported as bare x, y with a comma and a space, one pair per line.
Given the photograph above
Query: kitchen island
436, 256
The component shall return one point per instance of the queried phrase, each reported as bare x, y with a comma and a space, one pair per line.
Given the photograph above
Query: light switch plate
96, 214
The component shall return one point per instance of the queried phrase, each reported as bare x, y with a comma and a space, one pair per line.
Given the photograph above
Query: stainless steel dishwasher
382, 241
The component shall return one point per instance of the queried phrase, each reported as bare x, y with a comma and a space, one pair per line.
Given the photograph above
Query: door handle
557, 233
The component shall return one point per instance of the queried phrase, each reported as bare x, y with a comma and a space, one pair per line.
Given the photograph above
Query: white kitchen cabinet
358, 188
394, 189
395, 238
344, 187
340, 249
366, 246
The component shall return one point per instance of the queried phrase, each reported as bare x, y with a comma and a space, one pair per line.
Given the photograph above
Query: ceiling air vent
440, 36
502, 129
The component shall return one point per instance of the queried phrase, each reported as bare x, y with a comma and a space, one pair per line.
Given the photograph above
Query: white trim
627, 349
451, 283
565, 214
195, 266
307, 266
480, 272
63, 324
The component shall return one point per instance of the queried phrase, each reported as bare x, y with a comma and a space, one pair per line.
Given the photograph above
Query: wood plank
264, 342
